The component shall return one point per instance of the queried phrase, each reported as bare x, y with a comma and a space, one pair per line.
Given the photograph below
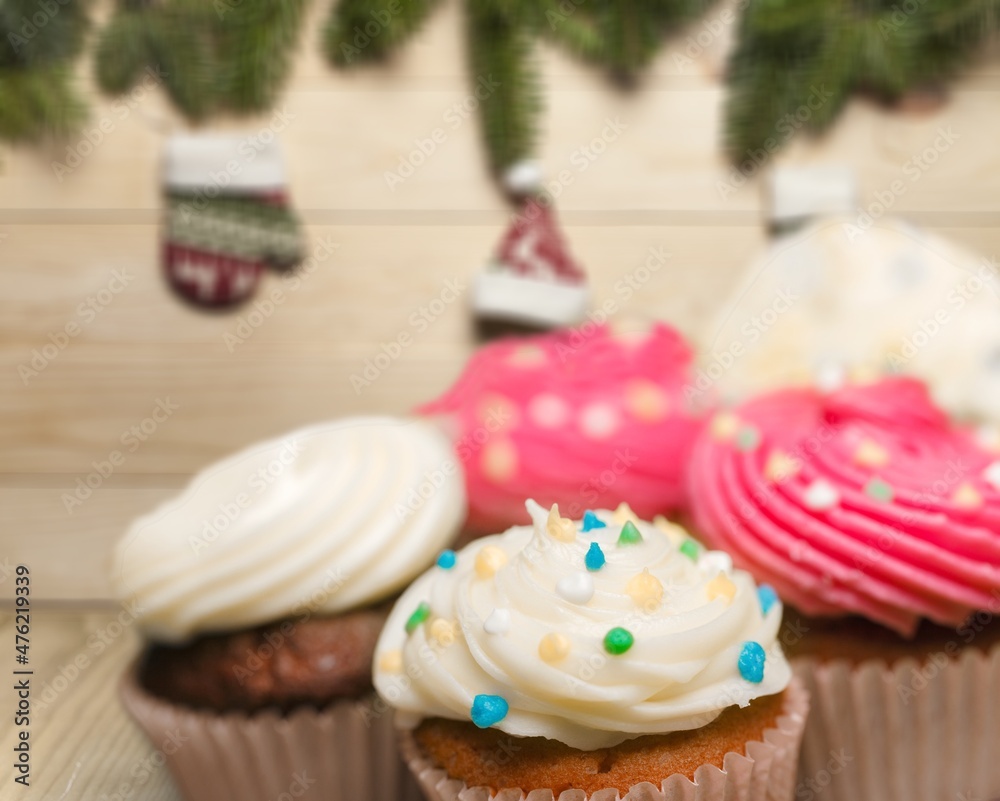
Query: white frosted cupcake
577, 658
261, 590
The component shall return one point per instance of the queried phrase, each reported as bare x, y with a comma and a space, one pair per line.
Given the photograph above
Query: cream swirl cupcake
333, 517
595, 655
262, 589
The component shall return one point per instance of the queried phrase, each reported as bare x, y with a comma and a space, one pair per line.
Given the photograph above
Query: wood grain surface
654, 185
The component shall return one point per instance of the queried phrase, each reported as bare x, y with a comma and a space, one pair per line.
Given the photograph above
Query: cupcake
261, 590
875, 516
604, 658
580, 417
840, 297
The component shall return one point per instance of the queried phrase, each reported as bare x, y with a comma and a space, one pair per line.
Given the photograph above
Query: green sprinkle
630, 534
747, 438
618, 641
420, 614
690, 549
879, 490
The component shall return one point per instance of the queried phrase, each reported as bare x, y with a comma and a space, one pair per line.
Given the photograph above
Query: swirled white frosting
483, 635
326, 519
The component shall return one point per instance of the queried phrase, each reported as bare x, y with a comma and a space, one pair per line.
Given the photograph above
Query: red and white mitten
227, 217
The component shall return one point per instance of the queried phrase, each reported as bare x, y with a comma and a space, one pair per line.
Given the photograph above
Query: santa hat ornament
532, 280
227, 217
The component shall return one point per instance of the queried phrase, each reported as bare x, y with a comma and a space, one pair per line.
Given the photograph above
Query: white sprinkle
712, 562
599, 421
548, 411
821, 495
830, 377
498, 622
577, 588
992, 475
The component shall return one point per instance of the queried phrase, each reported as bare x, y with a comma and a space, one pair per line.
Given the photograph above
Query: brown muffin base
491, 758
283, 665
856, 640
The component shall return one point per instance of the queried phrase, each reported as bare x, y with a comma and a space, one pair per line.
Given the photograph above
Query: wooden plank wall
655, 185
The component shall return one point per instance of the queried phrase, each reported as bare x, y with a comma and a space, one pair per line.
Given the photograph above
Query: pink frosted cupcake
581, 418
879, 519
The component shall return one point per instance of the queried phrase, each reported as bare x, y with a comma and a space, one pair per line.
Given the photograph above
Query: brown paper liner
345, 751
765, 772
915, 731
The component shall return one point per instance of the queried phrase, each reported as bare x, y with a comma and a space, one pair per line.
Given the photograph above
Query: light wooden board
655, 185
83, 746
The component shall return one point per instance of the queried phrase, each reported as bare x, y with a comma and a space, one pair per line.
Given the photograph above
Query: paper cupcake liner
915, 731
347, 750
765, 772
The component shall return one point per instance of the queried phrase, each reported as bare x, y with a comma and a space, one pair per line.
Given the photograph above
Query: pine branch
227, 55
503, 68
362, 31
841, 46
39, 103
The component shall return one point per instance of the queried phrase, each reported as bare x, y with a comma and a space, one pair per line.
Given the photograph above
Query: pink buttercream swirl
866, 501
585, 418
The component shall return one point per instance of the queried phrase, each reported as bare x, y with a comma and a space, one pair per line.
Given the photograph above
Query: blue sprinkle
595, 557
447, 560
751, 662
592, 521
768, 597
488, 710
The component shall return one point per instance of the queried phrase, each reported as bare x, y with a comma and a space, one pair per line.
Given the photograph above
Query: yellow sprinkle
646, 401
780, 466
560, 528
499, 461
674, 532
391, 662
489, 560
721, 587
527, 356
725, 425
967, 497
623, 514
553, 648
864, 374
444, 631
871, 454
645, 590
